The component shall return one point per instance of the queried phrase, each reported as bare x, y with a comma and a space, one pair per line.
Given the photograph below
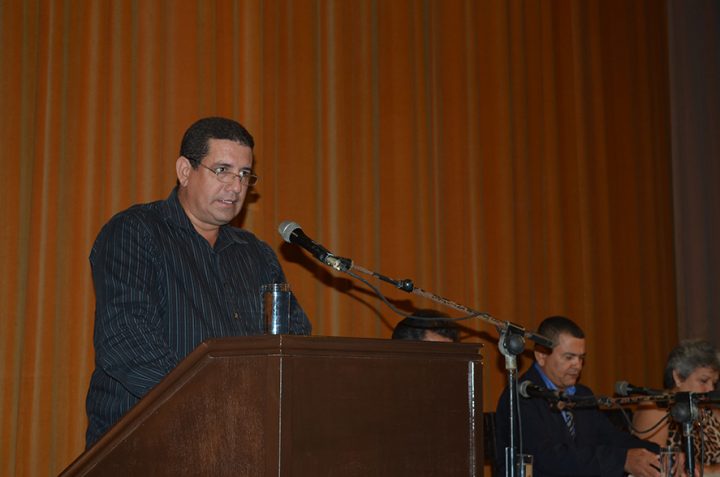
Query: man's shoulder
146, 211
139, 212
242, 236
136, 220
129, 227
582, 390
530, 374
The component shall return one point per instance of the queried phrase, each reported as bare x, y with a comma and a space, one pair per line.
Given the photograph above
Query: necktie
570, 422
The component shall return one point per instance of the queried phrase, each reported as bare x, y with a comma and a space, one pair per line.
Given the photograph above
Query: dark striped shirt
160, 290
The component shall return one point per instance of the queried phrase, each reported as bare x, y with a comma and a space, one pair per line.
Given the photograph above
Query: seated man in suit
572, 442
426, 325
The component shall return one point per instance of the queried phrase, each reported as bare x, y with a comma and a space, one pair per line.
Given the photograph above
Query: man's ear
540, 357
182, 169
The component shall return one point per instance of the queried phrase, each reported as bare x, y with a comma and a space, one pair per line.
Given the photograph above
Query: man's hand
642, 463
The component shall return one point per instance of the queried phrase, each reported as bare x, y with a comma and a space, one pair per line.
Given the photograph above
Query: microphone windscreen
522, 388
621, 388
286, 229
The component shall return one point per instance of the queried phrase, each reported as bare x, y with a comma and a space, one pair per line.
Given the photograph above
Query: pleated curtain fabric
512, 156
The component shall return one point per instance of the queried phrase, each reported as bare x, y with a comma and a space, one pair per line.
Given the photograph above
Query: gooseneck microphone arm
511, 344
404, 285
408, 286
512, 336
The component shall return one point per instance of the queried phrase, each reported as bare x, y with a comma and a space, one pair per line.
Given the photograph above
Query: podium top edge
292, 345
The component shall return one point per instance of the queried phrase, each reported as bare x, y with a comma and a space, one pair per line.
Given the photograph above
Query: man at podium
173, 273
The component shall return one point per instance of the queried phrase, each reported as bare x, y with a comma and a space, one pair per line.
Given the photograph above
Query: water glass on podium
276, 308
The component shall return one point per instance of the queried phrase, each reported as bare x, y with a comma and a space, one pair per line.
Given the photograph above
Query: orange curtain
512, 156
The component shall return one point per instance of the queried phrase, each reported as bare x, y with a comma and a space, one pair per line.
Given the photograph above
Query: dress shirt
161, 290
569, 391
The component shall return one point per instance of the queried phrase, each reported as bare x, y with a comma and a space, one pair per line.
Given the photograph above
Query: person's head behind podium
426, 325
563, 364
692, 366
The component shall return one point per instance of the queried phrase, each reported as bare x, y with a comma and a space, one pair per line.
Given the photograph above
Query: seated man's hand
642, 463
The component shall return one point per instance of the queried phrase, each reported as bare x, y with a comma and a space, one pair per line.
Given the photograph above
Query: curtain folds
511, 156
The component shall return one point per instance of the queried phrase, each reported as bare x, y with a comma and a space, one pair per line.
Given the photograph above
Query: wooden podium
304, 406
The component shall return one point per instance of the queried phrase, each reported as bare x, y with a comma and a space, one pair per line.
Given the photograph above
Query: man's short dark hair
415, 326
553, 326
195, 146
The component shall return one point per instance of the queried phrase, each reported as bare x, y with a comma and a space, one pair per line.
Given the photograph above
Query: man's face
432, 336
208, 202
564, 364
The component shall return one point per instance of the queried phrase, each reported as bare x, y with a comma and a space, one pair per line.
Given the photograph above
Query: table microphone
623, 388
528, 389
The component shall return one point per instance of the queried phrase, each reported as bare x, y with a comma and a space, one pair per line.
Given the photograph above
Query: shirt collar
174, 212
549, 384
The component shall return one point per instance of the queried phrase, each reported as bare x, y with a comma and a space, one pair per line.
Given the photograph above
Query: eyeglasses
226, 176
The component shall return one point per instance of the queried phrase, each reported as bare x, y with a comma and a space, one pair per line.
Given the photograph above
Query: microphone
712, 397
527, 390
292, 233
623, 388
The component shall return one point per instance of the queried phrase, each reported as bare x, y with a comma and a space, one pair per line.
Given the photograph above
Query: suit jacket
598, 449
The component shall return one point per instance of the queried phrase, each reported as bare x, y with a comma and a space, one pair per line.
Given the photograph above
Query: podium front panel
304, 406
368, 414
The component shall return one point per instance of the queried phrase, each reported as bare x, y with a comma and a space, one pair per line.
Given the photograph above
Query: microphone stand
684, 411
511, 344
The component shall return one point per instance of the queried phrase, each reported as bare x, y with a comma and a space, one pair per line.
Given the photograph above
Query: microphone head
622, 388
287, 228
712, 397
522, 388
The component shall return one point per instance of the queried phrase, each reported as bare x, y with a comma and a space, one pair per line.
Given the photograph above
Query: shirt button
236, 315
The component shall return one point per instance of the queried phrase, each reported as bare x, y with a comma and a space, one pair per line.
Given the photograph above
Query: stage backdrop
512, 156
